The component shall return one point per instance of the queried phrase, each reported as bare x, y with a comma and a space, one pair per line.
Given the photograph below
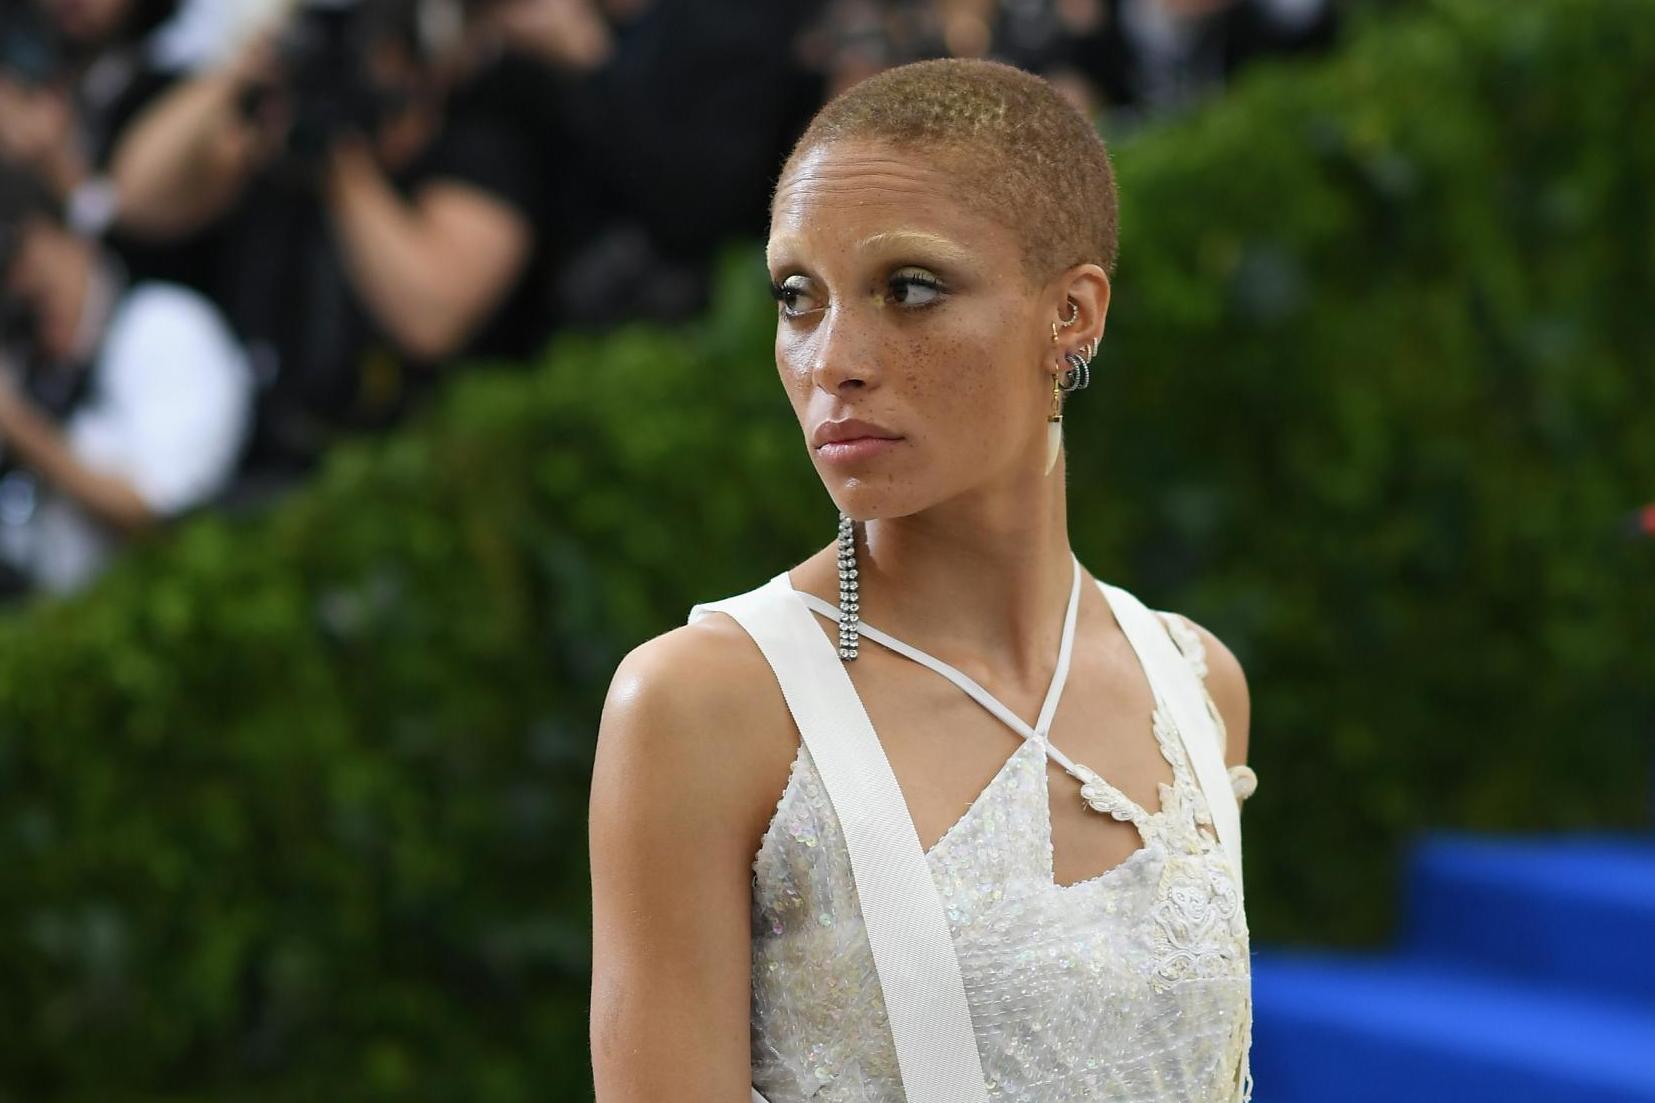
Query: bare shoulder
1227, 684
692, 751
695, 712
698, 673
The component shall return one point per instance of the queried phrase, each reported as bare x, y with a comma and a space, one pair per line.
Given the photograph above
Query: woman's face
900, 308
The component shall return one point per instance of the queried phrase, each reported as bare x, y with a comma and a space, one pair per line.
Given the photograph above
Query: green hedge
293, 808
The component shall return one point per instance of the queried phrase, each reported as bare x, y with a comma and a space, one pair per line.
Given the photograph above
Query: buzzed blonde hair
1022, 154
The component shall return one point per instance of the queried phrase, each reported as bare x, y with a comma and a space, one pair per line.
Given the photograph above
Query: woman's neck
984, 578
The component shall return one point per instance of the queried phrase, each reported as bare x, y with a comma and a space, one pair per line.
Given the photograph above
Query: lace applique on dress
1200, 929
1206, 933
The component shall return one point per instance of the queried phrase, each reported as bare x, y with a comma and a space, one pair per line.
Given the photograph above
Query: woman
940, 248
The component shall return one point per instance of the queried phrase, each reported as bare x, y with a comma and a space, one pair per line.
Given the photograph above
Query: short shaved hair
1023, 155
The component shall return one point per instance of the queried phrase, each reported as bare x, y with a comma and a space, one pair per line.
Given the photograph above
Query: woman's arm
431, 270
186, 159
1228, 686
677, 808
43, 446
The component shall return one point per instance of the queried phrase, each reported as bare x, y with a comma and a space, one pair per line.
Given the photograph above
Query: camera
20, 199
17, 328
38, 50
329, 62
30, 51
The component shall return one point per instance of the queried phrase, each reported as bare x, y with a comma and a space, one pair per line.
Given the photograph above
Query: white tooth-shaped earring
1054, 427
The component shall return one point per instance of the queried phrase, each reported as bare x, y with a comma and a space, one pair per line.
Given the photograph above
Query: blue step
1575, 911
1366, 1029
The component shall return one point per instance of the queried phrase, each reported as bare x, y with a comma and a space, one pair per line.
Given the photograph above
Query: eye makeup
911, 286
783, 291
911, 279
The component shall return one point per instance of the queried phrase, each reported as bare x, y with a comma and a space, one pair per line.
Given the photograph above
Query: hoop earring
1074, 316
1078, 375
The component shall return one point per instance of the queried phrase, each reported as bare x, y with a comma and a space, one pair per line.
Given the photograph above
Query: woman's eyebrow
780, 249
897, 239
774, 247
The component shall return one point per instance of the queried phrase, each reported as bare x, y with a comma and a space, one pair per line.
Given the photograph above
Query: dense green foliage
292, 808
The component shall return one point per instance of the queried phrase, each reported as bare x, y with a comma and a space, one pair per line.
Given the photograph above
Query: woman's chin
864, 499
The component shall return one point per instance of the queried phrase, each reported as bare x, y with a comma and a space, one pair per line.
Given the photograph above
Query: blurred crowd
234, 231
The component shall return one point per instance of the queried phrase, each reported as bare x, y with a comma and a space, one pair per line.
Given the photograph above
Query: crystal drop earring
849, 635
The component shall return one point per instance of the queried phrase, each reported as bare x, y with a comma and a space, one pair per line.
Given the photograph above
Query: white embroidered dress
1133, 986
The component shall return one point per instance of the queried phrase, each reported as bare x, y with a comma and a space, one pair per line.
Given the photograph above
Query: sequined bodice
1133, 986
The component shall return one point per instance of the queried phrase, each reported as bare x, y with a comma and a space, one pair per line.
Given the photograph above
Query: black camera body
35, 52
21, 198
30, 50
322, 58
326, 58
17, 328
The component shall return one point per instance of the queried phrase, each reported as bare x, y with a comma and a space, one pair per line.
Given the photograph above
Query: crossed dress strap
1041, 731
1172, 682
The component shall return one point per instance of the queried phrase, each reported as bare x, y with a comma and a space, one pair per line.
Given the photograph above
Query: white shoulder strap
913, 951
1176, 684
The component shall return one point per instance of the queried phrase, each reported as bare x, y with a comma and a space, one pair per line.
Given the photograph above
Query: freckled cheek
968, 387
951, 378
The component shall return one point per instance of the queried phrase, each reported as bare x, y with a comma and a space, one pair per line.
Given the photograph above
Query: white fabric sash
913, 951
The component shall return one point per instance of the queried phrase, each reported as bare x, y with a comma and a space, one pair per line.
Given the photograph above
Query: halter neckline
1041, 729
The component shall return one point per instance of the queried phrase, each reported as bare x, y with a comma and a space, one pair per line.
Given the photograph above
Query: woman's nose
844, 353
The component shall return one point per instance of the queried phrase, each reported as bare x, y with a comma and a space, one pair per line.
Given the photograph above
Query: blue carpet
1527, 973
1578, 912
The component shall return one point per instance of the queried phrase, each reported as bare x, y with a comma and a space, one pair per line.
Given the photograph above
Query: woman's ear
1087, 286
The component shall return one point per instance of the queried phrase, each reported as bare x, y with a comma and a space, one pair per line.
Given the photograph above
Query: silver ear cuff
850, 636
1080, 369
1078, 375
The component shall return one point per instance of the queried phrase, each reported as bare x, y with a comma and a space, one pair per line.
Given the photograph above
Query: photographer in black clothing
73, 75
674, 116
1151, 56
381, 226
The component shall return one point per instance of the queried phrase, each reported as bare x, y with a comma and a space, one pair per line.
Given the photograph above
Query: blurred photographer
1151, 57
380, 229
73, 74
676, 114
120, 405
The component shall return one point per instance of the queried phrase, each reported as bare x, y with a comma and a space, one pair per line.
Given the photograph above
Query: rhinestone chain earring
850, 636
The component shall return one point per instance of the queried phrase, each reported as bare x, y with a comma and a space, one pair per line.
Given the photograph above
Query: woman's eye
788, 293
915, 288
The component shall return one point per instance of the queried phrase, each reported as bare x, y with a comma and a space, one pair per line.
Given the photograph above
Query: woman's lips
856, 449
